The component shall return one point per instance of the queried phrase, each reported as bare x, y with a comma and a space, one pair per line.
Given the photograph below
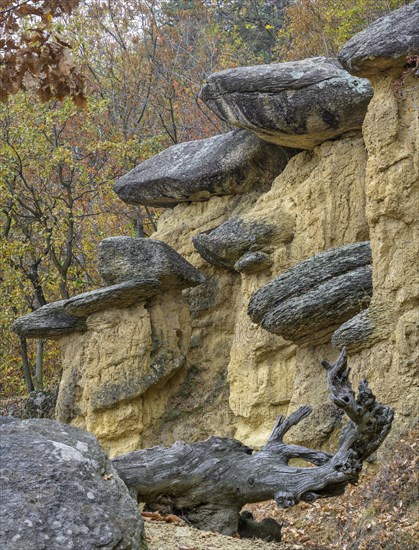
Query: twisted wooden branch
208, 482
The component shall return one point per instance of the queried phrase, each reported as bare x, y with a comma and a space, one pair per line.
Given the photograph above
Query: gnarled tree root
207, 483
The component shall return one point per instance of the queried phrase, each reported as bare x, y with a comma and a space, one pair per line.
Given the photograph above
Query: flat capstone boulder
49, 321
227, 164
227, 243
60, 491
309, 301
295, 104
385, 44
116, 296
124, 259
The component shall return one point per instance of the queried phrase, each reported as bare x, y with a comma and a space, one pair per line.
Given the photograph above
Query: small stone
253, 262
226, 244
355, 333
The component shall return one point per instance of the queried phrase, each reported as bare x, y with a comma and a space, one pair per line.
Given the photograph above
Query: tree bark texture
207, 483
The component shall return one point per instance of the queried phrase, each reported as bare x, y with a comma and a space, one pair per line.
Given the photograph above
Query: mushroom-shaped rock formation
295, 104
124, 259
121, 295
385, 44
309, 301
49, 321
227, 243
226, 164
354, 332
60, 491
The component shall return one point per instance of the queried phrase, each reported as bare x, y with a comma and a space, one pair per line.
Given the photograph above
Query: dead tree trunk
207, 483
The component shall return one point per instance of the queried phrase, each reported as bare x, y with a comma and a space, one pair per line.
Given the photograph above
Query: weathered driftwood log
208, 482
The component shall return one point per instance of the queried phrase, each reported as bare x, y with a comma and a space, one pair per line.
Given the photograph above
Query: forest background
92, 88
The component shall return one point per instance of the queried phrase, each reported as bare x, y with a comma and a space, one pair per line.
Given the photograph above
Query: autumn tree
34, 54
57, 204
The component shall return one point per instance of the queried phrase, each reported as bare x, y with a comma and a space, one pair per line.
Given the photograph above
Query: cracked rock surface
295, 104
59, 491
195, 171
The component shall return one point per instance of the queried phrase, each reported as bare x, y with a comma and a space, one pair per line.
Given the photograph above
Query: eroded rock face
114, 375
123, 259
59, 490
296, 104
49, 321
385, 44
227, 164
226, 244
308, 301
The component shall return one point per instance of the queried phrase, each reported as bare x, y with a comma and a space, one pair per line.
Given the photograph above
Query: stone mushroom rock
59, 490
227, 243
385, 44
309, 301
226, 164
296, 104
120, 296
124, 259
49, 321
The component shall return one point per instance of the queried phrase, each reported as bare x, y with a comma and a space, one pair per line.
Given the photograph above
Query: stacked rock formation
302, 218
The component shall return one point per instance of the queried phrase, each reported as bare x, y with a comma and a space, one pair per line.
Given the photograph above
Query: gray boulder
309, 301
49, 321
60, 491
224, 245
228, 164
295, 104
385, 44
124, 259
118, 296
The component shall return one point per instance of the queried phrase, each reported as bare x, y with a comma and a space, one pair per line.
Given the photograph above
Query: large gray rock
227, 164
50, 321
118, 296
123, 259
59, 491
295, 104
309, 301
226, 244
385, 44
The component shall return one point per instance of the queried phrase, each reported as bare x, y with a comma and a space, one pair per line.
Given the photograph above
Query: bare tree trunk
39, 364
26, 364
207, 483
